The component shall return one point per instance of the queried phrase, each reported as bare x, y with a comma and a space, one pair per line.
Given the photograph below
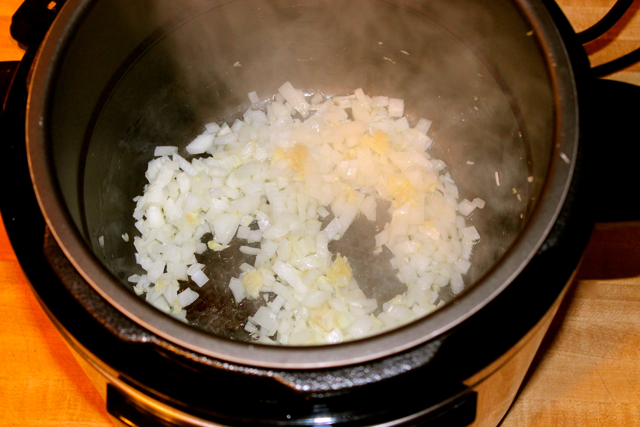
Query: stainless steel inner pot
115, 79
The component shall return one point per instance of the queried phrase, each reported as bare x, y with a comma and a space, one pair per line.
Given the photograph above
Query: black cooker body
422, 386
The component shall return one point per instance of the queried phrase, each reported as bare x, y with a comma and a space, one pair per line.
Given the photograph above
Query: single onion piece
335, 336
165, 151
248, 250
161, 304
212, 128
295, 99
237, 289
423, 125
277, 304
322, 243
199, 278
362, 99
457, 284
479, 203
314, 299
332, 229
396, 107
224, 227
470, 234
466, 207
317, 98
199, 145
243, 232
361, 327
265, 318
251, 328
187, 297
380, 101
253, 97
289, 273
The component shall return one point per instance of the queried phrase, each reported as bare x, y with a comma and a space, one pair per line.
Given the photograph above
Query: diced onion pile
286, 175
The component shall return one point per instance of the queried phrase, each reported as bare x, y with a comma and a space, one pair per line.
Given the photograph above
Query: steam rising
442, 58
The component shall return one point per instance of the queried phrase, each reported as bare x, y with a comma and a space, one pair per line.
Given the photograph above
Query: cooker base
492, 390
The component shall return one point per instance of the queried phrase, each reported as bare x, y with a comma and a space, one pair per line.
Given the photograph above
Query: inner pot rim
300, 357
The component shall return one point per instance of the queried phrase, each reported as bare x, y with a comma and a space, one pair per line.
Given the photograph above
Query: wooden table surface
586, 374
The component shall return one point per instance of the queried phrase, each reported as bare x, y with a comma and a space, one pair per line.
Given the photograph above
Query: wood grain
41, 384
587, 373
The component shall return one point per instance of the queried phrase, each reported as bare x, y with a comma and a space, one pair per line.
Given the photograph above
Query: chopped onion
479, 202
470, 234
396, 107
249, 250
270, 179
165, 151
199, 278
186, 297
201, 144
253, 97
466, 207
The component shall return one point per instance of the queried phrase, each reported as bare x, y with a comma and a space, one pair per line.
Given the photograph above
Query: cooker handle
600, 28
612, 150
612, 117
607, 22
608, 119
32, 20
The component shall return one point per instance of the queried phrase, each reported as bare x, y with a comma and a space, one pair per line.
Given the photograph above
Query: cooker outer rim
396, 341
